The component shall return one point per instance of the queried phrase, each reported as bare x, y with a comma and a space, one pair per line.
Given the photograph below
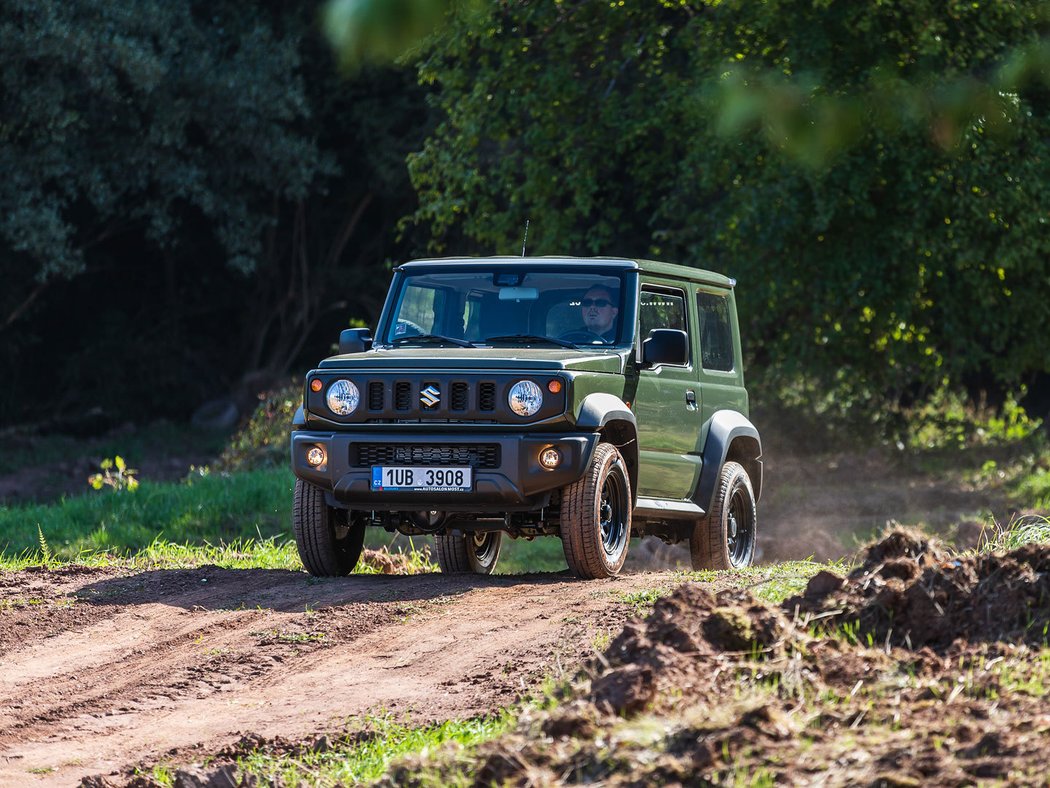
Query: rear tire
596, 516
725, 539
475, 553
330, 540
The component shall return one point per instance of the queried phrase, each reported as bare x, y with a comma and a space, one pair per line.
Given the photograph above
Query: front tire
475, 553
330, 540
596, 516
725, 539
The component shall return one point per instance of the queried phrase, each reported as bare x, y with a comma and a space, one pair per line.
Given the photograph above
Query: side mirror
665, 346
355, 340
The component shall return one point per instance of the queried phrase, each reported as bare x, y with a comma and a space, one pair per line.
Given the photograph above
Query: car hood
482, 358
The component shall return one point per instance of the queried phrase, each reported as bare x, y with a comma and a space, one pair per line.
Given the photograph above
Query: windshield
508, 306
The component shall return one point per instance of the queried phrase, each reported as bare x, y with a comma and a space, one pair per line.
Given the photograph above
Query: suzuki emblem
430, 396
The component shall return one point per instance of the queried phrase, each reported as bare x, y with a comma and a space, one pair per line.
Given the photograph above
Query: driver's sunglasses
601, 303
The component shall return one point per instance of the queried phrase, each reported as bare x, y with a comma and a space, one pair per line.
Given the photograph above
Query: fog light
550, 458
315, 456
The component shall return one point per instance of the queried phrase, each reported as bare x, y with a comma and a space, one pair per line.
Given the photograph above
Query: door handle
690, 400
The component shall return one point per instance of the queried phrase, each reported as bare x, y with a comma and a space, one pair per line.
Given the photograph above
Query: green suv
588, 399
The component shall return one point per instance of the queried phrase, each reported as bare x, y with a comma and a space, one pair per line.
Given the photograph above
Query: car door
721, 375
666, 402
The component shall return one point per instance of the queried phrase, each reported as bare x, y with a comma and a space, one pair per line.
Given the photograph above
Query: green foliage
878, 196
381, 31
188, 181
120, 479
118, 116
947, 419
263, 441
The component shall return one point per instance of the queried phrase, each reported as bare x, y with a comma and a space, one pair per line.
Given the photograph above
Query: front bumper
517, 482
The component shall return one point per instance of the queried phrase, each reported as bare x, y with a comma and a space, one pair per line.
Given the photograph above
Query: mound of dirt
673, 647
912, 591
710, 687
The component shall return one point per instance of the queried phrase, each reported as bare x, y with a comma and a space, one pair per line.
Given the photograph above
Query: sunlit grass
364, 757
770, 582
209, 509
1028, 529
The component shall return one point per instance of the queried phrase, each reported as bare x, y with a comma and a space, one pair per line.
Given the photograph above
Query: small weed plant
114, 474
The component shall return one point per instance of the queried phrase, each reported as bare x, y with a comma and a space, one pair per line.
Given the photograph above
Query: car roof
655, 267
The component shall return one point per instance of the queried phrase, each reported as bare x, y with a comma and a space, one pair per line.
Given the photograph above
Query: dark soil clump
911, 591
712, 686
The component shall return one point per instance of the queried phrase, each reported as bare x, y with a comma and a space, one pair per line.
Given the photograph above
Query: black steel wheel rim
740, 528
484, 547
612, 513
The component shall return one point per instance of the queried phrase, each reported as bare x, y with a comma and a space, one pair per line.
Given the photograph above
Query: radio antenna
526, 238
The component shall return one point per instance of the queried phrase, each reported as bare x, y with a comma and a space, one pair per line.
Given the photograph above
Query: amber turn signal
316, 384
554, 386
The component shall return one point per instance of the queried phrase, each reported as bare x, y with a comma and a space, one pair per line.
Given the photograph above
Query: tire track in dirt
167, 662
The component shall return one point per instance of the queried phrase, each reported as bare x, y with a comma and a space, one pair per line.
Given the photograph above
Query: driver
599, 311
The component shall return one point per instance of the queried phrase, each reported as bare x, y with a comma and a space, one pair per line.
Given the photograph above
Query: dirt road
100, 670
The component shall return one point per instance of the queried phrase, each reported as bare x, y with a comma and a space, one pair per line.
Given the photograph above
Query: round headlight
343, 397
525, 398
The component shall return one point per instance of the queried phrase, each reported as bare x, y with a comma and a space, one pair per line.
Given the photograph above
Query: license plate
386, 478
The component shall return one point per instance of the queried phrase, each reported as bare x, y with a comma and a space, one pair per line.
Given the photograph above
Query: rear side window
661, 309
716, 333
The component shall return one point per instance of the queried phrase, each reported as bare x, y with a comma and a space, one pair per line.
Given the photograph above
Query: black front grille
487, 396
402, 395
460, 396
375, 395
476, 455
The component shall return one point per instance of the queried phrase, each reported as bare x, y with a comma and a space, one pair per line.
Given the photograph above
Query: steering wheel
406, 328
585, 337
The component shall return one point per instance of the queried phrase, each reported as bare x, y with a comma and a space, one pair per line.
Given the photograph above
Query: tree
133, 118
190, 189
875, 175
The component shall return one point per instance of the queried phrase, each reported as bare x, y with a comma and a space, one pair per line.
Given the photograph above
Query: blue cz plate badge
386, 478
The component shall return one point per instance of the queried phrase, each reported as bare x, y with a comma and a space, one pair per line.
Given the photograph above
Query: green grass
204, 510
774, 582
1024, 530
365, 757
1033, 489
542, 554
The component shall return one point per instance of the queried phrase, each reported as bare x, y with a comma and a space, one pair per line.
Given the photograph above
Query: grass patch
773, 583
542, 554
1028, 529
203, 510
641, 602
236, 520
364, 756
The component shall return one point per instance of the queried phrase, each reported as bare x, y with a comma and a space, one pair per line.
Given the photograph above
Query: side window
661, 309
716, 334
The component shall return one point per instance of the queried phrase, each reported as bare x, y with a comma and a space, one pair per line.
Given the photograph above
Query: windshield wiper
530, 338
432, 338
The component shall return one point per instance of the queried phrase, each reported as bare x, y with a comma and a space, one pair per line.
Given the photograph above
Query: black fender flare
608, 414
731, 436
299, 419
